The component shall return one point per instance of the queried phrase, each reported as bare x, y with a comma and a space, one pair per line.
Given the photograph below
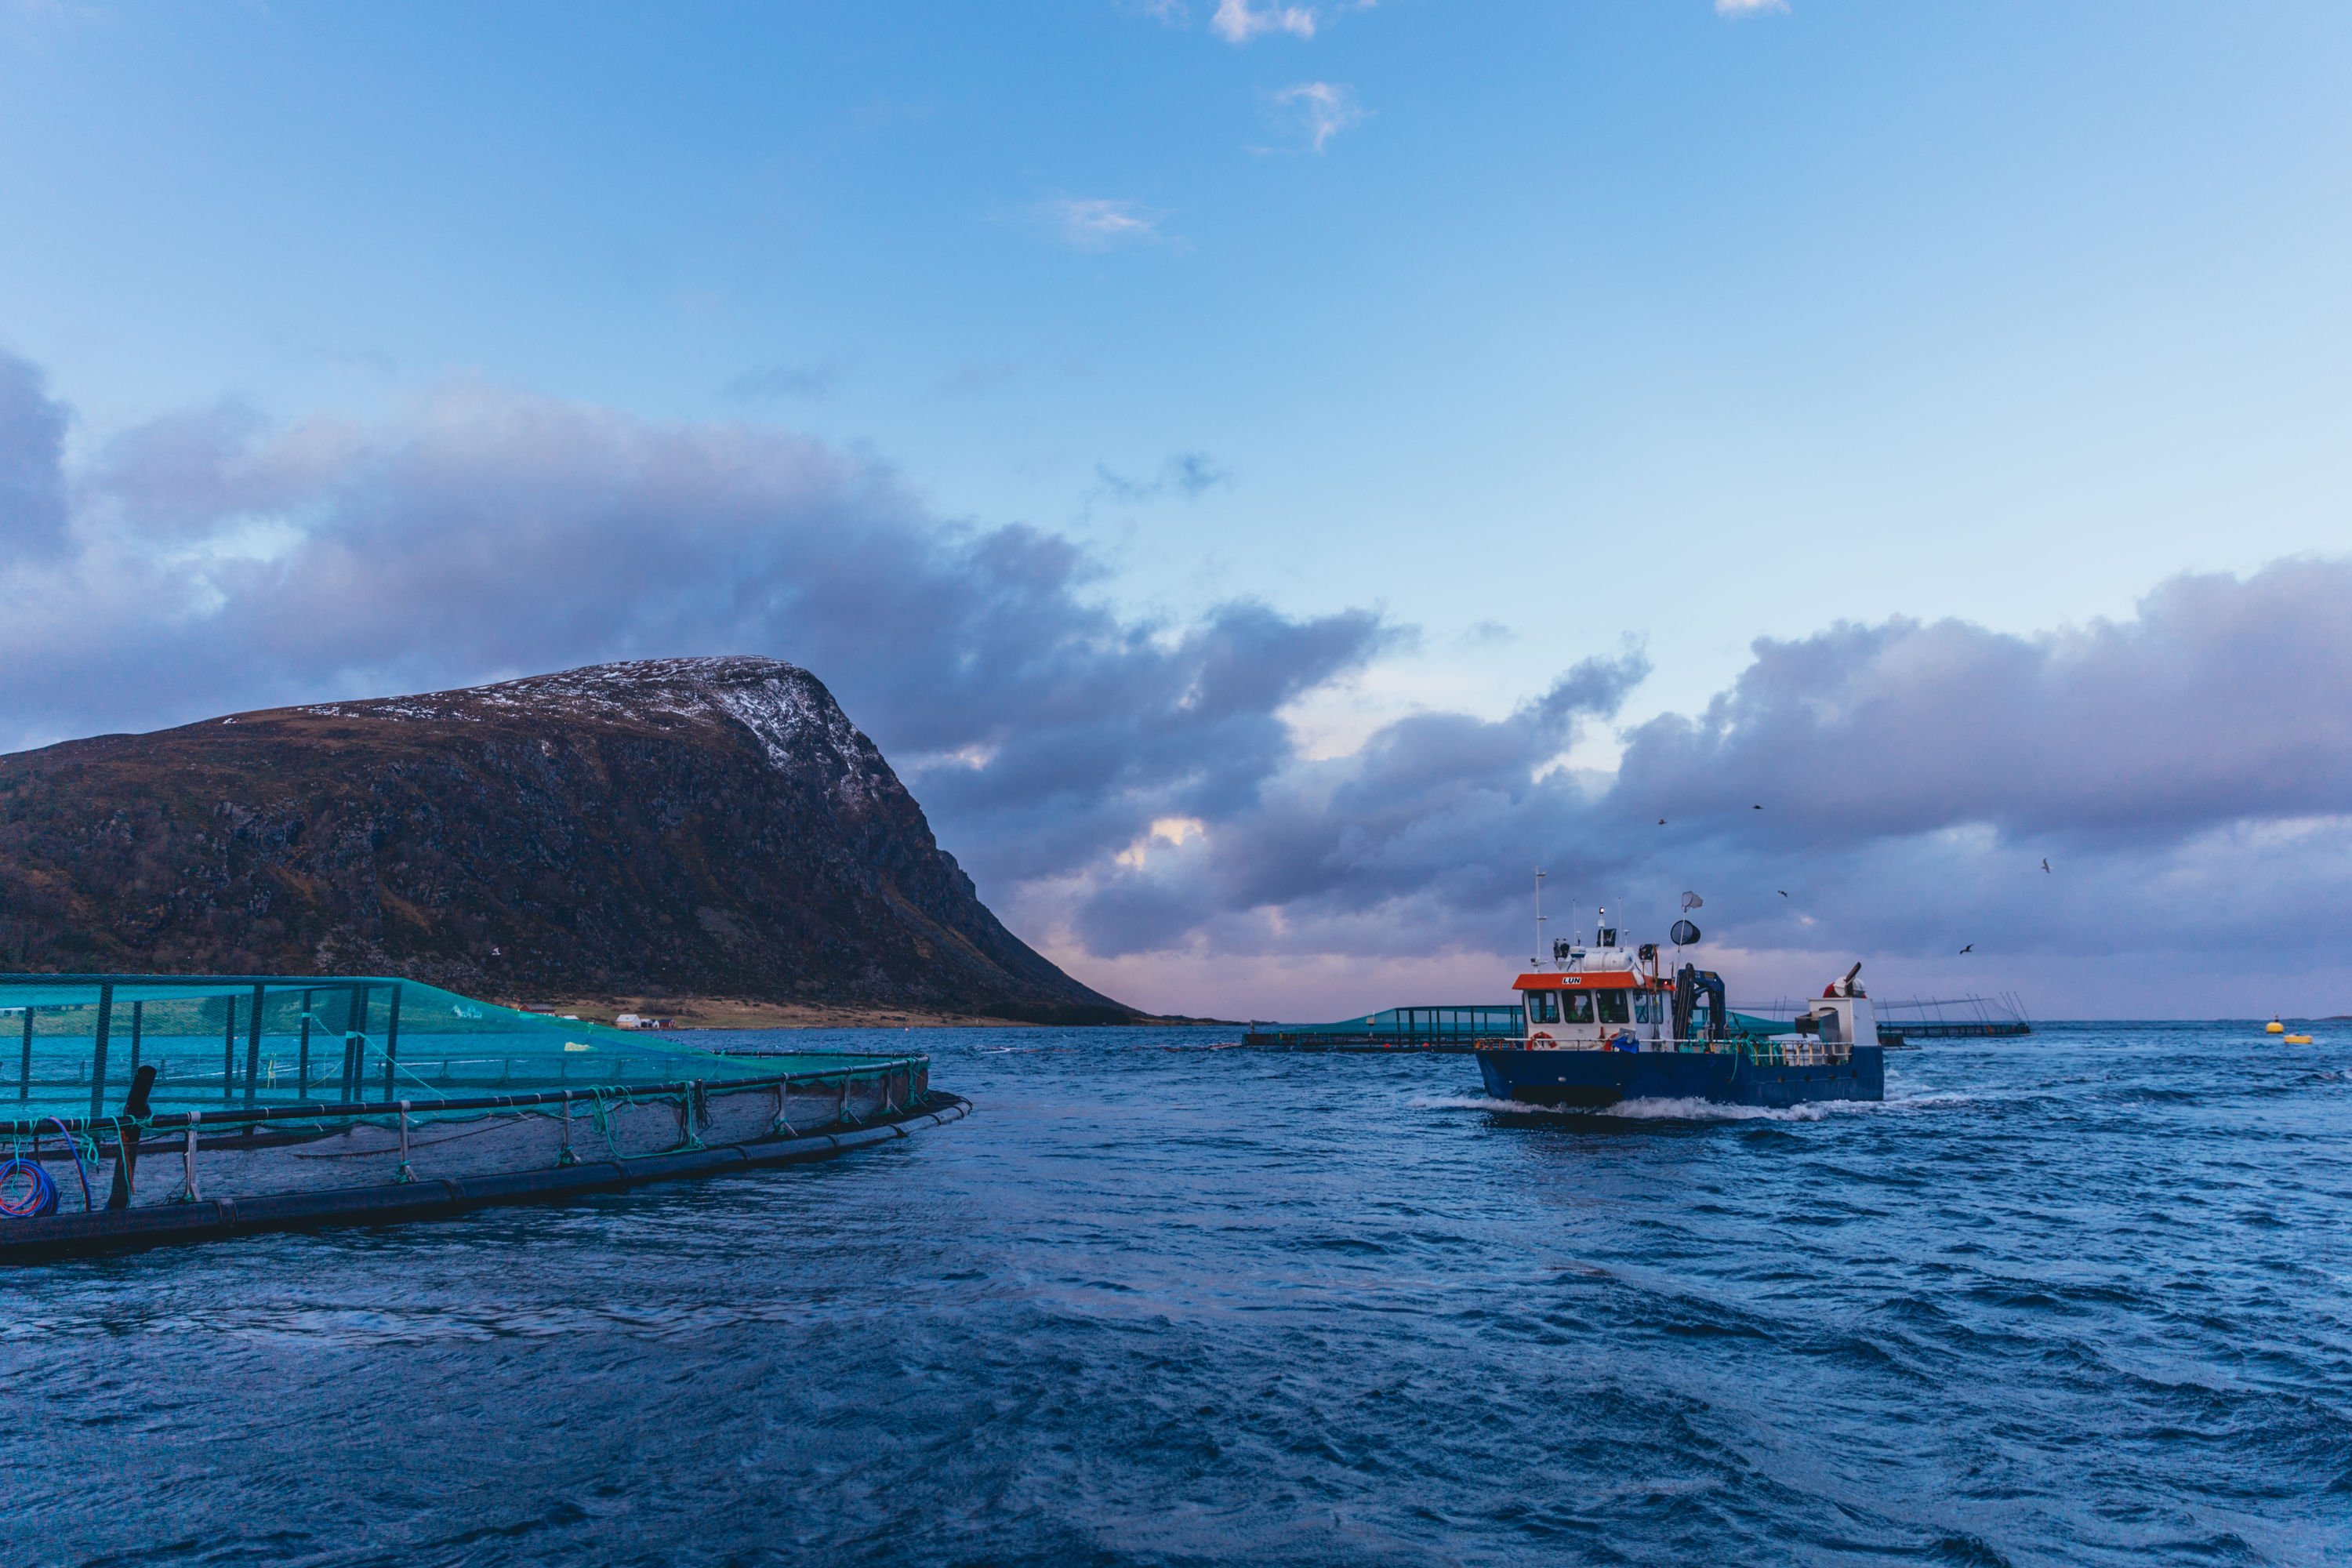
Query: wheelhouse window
1616, 1007
1645, 1007
1577, 1006
1543, 1007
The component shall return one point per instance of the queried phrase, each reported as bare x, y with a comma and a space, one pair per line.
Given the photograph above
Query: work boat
1604, 1025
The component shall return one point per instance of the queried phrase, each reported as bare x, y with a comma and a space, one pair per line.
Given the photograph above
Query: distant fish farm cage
1456, 1029
1947, 1018
1451, 1030
1462, 1029
1957, 1018
275, 1103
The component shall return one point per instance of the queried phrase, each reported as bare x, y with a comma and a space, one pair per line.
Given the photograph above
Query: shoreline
695, 1013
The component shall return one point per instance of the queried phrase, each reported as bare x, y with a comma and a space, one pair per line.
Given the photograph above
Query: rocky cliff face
710, 826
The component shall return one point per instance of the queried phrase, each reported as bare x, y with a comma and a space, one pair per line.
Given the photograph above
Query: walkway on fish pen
1458, 1030
1944, 1018
299, 1101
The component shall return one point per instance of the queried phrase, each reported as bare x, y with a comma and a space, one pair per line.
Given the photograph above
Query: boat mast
1540, 918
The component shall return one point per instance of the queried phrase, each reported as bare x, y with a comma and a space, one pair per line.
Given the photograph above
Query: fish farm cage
282, 1097
1466, 1027
1948, 1019
1957, 1018
1457, 1029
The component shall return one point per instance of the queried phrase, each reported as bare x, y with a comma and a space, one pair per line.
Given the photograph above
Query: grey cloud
33, 517
1436, 811
1145, 731
2223, 700
217, 567
2189, 770
1185, 474
771, 383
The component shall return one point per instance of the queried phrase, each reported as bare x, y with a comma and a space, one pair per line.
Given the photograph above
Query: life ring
1539, 1040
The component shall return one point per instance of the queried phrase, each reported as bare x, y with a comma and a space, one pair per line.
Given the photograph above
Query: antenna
1540, 918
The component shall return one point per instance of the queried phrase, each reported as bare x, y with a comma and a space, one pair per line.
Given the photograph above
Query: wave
1481, 1103
1690, 1109
1695, 1110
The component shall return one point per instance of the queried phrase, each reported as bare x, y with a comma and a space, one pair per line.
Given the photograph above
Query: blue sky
1539, 333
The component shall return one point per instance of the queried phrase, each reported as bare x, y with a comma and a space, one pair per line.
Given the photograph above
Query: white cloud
1097, 223
1238, 21
1325, 108
1750, 7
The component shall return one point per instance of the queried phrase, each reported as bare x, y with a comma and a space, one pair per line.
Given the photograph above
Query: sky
1271, 476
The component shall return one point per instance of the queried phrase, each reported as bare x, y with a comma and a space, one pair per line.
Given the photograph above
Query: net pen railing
260, 1048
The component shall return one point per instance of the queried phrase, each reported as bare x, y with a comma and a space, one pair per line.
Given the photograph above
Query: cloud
1186, 474
1437, 812
1133, 792
1323, 110
2188, 771
782, 379
1095, 223
1239, 21
202, 562
1750, 7
2211, 706
32, 459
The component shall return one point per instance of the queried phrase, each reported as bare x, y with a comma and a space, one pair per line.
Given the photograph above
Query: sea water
2080, 1298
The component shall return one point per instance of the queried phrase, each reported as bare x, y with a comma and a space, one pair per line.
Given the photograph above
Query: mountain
681, 828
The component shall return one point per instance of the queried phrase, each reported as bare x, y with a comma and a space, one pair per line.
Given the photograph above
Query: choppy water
2079, 1298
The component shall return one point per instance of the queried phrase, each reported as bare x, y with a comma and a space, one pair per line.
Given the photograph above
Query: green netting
70, 1044
1465, 1022
1468, 1022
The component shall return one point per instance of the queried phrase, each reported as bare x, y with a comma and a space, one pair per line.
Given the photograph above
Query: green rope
618, 1096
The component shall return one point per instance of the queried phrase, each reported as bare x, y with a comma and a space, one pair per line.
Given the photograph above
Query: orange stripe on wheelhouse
1598, 979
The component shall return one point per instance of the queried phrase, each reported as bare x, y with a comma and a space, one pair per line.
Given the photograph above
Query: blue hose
41, 1197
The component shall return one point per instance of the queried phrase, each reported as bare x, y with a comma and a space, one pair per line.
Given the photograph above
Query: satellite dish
1684, 933
1691, 901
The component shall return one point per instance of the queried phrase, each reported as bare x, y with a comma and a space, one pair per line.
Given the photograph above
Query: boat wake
1696, 1109
1683, 1110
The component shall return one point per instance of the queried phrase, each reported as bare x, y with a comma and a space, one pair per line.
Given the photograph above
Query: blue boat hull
1595, 1079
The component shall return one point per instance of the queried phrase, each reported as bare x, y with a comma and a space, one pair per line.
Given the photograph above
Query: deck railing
1761, 1052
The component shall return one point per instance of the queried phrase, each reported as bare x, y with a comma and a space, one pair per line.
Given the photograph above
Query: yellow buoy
2298, 1040
2273, 1027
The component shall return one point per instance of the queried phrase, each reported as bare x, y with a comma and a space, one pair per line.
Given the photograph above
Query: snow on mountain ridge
783, 706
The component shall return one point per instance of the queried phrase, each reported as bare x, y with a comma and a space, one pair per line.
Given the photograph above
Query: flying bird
1970, 947
1782, 891
1662, 822
2046, 863
1755, 808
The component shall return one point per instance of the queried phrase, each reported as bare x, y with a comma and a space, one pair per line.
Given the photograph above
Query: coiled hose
40, 1198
